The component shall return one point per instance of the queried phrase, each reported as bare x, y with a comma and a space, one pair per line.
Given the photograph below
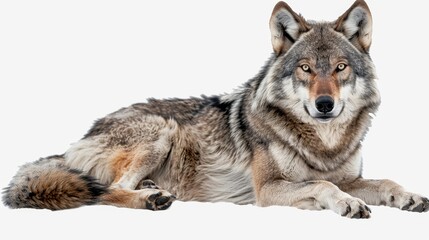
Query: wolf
290, 136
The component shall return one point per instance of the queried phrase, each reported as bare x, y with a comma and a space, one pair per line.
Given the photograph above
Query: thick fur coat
290, 136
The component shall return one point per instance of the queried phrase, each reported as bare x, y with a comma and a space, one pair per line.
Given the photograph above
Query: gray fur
259, 145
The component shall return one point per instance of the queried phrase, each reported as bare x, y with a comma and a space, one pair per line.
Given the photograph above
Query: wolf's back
49, 183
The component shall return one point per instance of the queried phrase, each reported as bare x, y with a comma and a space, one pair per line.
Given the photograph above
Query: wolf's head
321, 71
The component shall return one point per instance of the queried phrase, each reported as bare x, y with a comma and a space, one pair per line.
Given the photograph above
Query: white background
64, 64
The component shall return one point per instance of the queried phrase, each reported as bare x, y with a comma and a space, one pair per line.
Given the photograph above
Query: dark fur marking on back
214, 101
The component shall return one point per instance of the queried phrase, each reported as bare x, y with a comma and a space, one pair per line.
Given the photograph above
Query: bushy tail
49, 183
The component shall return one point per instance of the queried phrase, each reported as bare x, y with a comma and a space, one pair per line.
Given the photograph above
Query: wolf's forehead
322, 41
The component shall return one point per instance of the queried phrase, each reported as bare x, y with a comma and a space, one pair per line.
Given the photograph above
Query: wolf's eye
305, 68
341, 67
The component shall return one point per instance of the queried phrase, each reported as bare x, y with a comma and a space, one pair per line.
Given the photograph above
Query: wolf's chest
295, 168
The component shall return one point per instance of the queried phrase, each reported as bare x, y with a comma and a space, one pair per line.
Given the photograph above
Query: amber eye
341, 67
305, 68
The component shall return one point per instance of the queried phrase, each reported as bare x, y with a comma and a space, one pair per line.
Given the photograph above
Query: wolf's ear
285, 26
356, 25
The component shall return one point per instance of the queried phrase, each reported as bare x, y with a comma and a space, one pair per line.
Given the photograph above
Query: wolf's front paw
352, 208
159, 200
410, 202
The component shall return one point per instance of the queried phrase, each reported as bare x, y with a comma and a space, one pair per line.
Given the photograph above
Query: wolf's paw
159, 200
352, 208
410, 202
147, 184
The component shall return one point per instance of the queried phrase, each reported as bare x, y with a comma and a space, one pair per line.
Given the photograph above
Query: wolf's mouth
323, 117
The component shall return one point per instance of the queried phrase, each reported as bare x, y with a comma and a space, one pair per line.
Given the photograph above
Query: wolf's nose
324, 104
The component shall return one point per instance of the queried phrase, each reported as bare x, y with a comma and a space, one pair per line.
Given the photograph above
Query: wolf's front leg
386, 192
271, 188
312, 195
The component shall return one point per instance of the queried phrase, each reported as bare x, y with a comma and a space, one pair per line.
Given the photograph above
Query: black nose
324, 104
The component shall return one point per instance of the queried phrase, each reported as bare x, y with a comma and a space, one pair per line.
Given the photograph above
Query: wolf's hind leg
134, 164
386, 192
130, 188
124, 155
153, 199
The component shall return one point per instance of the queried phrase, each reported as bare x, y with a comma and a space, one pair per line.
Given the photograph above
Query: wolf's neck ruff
323, 146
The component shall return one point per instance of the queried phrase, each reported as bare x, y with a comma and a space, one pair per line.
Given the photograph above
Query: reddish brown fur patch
263, 169
120, 163
120, 198
324, 87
